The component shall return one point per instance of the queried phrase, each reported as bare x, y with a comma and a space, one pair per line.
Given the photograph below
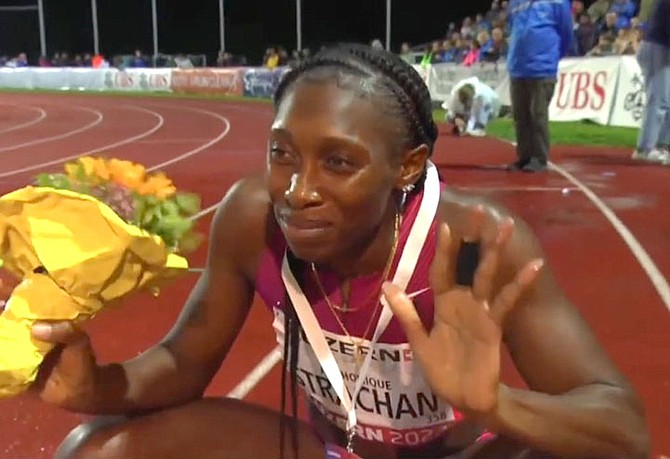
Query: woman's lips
297, 228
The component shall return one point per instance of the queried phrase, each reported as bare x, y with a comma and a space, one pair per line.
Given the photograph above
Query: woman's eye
339, 162
280, 155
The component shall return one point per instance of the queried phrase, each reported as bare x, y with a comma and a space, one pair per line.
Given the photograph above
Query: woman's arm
179, 368
578, 403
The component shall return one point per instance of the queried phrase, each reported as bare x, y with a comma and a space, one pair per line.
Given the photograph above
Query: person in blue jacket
654, 59
541, 34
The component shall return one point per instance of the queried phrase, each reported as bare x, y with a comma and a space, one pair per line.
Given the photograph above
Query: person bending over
471, 106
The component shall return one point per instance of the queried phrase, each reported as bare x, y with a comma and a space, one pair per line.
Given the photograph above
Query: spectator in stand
271, 59
472, 57
460, 49
604, 47
436, 53
406, 53
585, 35
65, 59
283, 56
493, 13
577, 11
485, 43
498, 47
541, 36
481, 25
183, 62
44, 61
138, 60
645, 9
471, 106
625, 42
451, 30
625, 10
224, 59
610, 24
450, 53
99, 62
466, 28
502, 22
654, 59
598, 9
377, 44
19, 61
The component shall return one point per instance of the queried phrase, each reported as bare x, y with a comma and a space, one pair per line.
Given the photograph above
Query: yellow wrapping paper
74, 255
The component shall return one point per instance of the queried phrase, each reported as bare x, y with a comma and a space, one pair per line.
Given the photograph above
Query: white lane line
650, 268
201, 148
41, 115
171, 141
257, 374
517, 188
124, 141
655, 275
94, 123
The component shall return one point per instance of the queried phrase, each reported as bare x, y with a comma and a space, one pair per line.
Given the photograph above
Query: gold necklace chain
358, 348
377, 292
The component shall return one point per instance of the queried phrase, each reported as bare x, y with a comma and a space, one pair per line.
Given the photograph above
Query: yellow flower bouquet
80, 240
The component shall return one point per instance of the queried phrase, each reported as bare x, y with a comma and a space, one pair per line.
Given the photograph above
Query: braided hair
380, 74
404, 96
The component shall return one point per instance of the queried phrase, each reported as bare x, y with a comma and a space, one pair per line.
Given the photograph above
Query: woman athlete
350, 220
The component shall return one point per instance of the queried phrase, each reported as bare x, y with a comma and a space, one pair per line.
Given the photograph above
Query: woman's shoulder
244, 226
459, 208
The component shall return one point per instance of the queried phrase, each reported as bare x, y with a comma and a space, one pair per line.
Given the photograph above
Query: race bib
395, 404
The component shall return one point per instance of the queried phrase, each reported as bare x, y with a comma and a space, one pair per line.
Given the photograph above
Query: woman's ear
413, 165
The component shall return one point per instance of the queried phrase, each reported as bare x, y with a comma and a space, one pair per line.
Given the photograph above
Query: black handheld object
467, 261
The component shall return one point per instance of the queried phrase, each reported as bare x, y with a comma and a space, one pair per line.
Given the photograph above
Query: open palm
460, 354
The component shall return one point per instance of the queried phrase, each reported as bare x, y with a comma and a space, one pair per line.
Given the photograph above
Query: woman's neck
371, 255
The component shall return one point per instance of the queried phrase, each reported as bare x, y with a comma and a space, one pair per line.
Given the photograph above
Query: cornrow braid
400, 78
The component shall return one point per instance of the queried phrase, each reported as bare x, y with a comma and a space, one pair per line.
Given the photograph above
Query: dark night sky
191, 26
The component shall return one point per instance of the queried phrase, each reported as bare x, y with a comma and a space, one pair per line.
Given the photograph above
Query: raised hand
460, 354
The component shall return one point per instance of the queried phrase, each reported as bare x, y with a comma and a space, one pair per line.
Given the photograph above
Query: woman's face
331, 169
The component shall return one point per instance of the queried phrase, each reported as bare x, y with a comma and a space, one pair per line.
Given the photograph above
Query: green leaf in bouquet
189, 203
175, 225
140, 209
43, 180
81, 172
149, 215
58, 181
169, 208
190, 242
84, 188
152, 200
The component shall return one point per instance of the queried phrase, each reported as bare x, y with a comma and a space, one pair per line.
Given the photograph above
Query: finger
403, 309
487, 270
442, 272
473, 228
57, 332
510, 293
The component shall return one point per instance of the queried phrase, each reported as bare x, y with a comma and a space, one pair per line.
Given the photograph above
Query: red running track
207, 145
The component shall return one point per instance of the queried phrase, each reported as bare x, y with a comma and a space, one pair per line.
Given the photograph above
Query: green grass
565, 133
562, 133
573, 133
